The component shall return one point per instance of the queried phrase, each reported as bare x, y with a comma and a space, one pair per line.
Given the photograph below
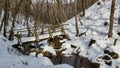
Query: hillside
92, 43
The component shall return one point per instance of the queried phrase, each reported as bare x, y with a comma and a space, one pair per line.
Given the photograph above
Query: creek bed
75, 60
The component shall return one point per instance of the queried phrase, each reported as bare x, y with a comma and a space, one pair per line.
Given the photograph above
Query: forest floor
95, 28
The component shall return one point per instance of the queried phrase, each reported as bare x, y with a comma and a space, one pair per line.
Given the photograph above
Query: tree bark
83, 7
110, 33
16, 11
27, 10
6, 17
2, 23
76, 21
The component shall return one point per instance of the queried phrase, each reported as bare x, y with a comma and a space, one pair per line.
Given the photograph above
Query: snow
50, 49
8, 58
93, 25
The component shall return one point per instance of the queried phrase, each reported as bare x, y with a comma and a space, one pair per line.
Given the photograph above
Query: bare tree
6, 15
27, 12
36, 15
110, 33
119, 20
83, 7
76, 20
15, 11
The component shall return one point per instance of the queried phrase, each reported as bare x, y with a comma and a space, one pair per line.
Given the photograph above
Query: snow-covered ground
93, 25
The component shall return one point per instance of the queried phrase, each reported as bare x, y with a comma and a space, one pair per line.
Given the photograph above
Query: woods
49, 13
51, 33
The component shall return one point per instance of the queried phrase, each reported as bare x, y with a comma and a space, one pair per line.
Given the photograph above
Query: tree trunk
27, 10
6, 17
35, 31
76, 21
119, 20
15, 13
2, 23
11, 34
110, 33
83, 7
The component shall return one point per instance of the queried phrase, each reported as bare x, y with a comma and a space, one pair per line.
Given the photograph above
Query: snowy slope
10, 58
93, 25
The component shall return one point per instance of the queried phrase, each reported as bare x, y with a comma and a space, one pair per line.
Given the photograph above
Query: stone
112, 54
